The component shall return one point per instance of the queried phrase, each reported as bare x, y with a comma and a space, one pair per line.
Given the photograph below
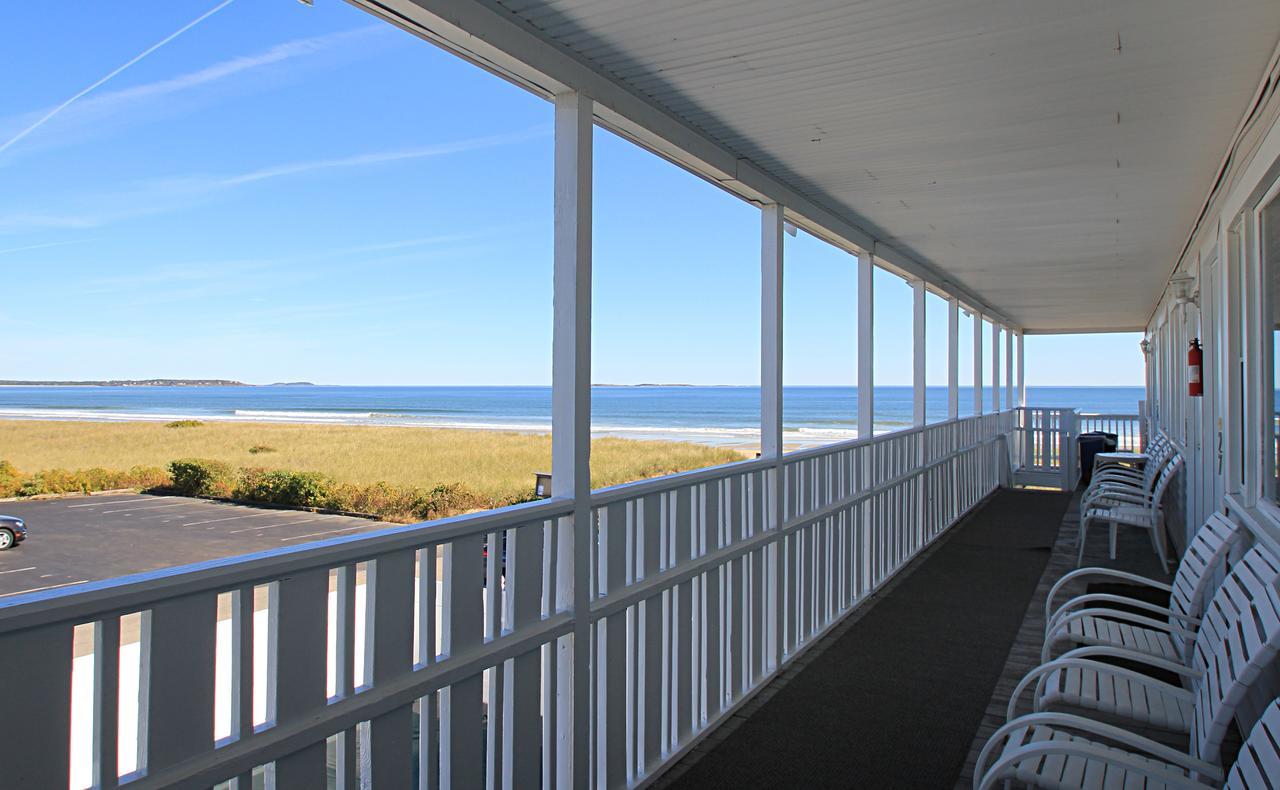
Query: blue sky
294, 193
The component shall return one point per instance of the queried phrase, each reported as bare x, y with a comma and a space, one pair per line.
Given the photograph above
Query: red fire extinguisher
1195, 387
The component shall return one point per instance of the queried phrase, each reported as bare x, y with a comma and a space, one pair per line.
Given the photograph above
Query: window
1270, 237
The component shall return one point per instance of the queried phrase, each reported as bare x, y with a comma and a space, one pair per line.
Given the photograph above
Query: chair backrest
1259, 762
1160, 455
1238, 639
1199, 570
1165, 477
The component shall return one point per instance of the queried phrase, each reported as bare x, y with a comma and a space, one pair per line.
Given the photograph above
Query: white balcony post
995, 368
866, 336
977, 362
918, 351
1022, 373
1008, 368
771, 331
771, 280
953, 358
571, 426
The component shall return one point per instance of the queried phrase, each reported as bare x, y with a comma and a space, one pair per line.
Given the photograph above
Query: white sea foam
726, 435
305, 415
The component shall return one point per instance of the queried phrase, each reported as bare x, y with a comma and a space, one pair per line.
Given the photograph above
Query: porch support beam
977, 362
1008, 368
995, 367
771, 331
1022, 373
866, 338
571, 423
953, 358
918, 352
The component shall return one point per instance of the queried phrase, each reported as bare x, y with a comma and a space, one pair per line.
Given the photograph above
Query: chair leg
1157, 536
1114, 527
1080, 542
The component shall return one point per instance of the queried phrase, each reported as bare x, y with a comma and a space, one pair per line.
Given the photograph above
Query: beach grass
498, 465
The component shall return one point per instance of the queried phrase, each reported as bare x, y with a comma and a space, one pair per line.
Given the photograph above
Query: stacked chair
1130, 497
1219, 637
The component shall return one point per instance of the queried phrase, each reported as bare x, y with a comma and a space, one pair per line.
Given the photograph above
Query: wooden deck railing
414, 657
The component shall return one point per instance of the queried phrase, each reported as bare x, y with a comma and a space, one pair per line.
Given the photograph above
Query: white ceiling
1050, 156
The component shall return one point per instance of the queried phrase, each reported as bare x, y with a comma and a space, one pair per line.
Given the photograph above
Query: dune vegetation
402, 473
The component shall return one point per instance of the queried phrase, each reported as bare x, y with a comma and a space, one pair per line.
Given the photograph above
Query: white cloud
162, 195
96, 113
43, 246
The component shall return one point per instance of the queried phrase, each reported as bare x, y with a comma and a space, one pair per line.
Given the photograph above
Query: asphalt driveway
81, 539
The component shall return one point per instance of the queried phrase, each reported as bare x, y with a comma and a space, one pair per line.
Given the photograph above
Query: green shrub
283, 487
202, 477
261, 448
184, 424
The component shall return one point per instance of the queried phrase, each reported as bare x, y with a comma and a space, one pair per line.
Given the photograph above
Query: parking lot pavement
81, 539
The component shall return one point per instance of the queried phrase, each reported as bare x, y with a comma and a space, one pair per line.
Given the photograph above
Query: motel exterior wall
1218, 293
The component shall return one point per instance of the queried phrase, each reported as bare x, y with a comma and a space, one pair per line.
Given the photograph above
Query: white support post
1022, 373
866, 336
995, 368
1008, 368
771, 331
977, 362
918, 351
953, 358
571, 427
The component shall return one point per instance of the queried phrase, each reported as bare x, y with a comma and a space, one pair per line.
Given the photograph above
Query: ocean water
712, 415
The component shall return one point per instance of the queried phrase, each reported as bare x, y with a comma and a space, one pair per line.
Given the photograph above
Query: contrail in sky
49, 115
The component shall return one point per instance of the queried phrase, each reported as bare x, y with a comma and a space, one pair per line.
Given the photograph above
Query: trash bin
1089, 445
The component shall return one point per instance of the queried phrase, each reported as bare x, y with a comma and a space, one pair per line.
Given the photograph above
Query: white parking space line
19, 570
318, 534
232, 518
47, 587
136, 509
121, 501
271, 526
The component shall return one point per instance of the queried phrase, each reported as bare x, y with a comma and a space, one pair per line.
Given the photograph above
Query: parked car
12, 532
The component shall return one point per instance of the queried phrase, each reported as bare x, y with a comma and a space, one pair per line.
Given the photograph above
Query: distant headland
129, 383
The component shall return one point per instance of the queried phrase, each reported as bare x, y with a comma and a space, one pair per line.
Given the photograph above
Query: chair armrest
1082, 573
1097, 598
984, 778
1040, 674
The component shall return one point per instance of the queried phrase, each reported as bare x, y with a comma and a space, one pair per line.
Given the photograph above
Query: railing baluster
106, 704
39, 705
389, 597
522, 742
461, 709
178, 677
299, 618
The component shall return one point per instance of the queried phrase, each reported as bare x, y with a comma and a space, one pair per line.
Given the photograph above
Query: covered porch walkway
930, 660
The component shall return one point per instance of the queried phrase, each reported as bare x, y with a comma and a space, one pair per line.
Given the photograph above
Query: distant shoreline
152, 383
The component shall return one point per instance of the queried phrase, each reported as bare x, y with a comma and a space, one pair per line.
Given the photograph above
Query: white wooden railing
702, 585
1044, 448
1126, 427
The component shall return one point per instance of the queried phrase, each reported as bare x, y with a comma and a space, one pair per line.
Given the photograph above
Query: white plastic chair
1132, 482
1120, 476
1143, 511
1044, 750
1165, 632
1238, 639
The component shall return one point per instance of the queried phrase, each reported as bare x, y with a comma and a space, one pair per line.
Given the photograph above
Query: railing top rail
639, 488
136, 591
1111, 415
